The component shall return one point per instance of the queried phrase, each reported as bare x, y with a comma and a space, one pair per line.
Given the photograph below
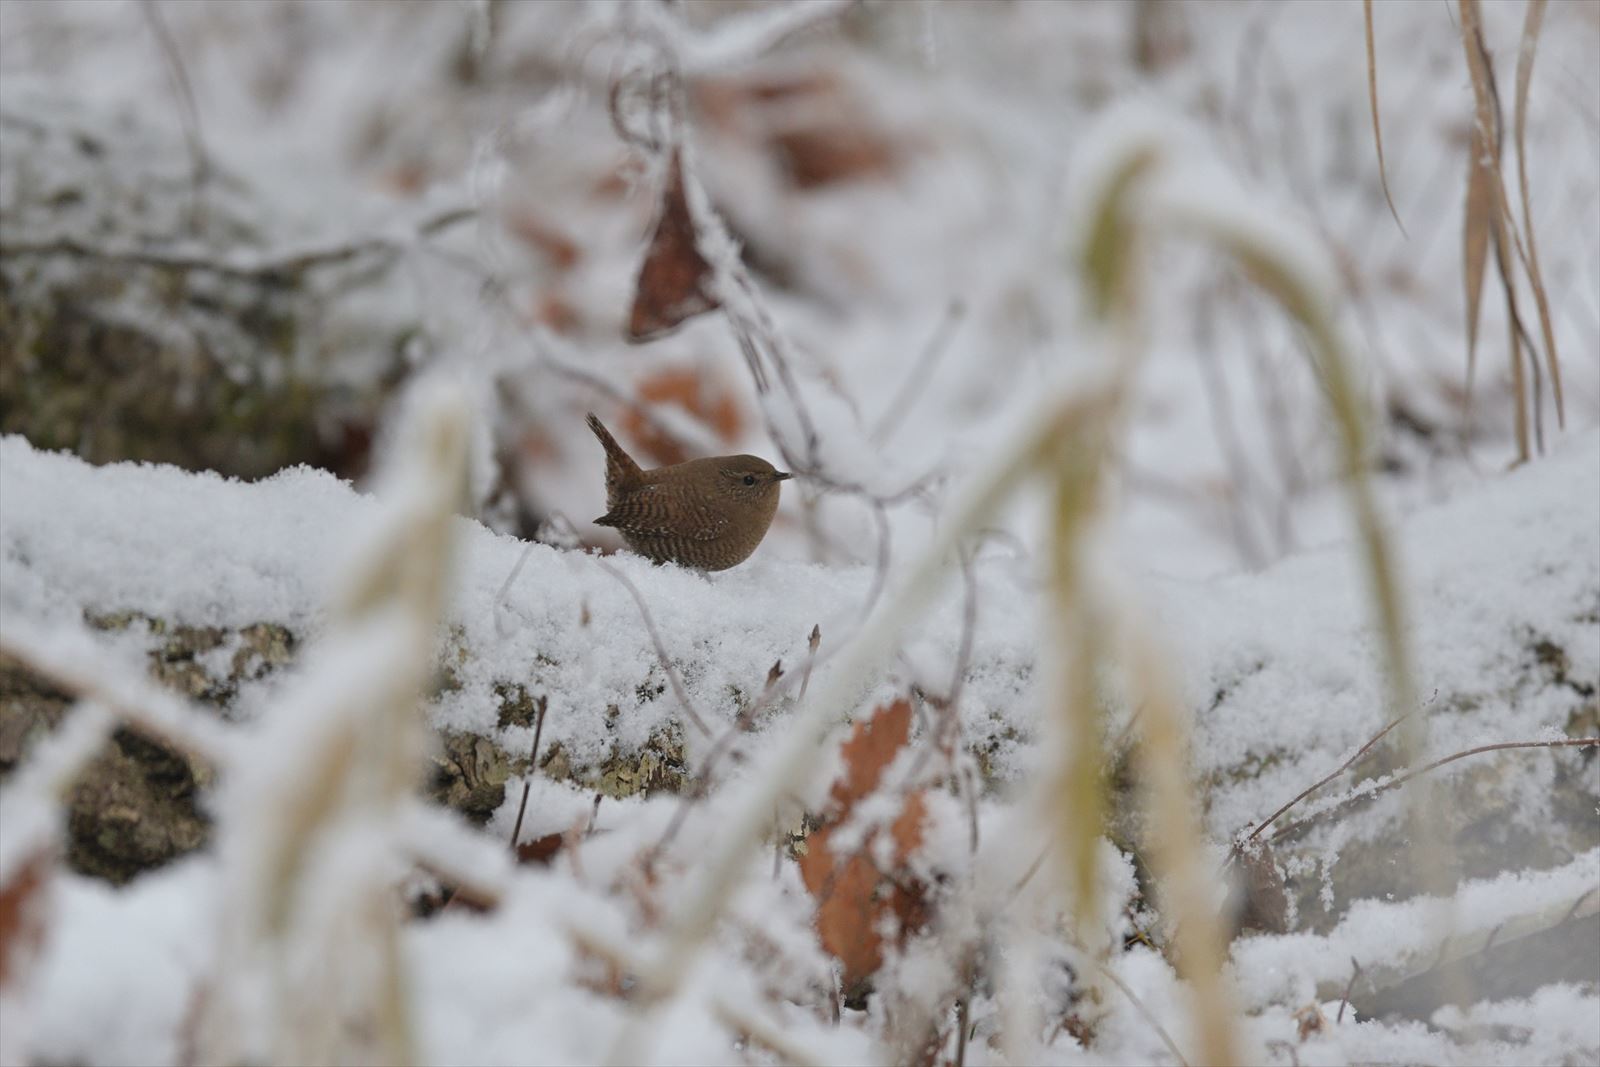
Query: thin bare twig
742, 38
760, 340
1355, 972
199, 159
1274, 407
1219, 406
661, 650
1138, 1005
533, 769
762, 343
910, 390
811, 657
743, 307
464, 891
969, 631
880, 572
719, 748
758, 1031
281, 269
1346, 765
505, 587
947, 732
1394, 783
1027, 876
970, 785
961, 1022
1120, 747
553, 353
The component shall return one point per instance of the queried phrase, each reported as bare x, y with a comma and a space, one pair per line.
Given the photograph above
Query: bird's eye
749, 479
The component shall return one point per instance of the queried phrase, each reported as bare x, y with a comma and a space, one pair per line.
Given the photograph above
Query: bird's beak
782, 476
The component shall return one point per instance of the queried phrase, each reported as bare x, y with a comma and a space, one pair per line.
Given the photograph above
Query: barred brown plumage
709, 514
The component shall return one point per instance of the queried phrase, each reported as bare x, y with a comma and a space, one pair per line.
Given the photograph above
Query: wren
709, 514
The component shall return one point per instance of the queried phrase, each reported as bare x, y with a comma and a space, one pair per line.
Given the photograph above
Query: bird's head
750, 479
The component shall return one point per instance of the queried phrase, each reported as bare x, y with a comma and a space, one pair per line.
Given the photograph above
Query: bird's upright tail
622, 473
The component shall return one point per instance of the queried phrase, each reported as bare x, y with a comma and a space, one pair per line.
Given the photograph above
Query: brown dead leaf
706, 399
872, 745
675, 279
847, 916
541, 850
907, 827
22, 915
853, 895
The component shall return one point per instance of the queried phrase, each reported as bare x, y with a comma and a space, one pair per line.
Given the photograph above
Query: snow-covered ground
910, 183
1292, 649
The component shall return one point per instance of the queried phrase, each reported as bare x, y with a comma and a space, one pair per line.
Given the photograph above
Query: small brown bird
709, 514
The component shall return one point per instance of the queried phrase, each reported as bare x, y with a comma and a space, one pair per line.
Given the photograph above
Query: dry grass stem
1175, 837
1377, 127
1532, 25
796, 753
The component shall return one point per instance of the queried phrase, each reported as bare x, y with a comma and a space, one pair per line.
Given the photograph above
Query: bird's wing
646, 513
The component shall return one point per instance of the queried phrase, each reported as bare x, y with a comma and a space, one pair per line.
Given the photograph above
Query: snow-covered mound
1503, 585
1280, 668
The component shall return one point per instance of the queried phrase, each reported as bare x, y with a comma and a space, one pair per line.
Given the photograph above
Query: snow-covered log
213, 584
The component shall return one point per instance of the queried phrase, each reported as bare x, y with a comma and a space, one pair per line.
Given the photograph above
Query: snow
117, 981
253, 554
950, 278
1269, 969
273, 550
1303, 690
